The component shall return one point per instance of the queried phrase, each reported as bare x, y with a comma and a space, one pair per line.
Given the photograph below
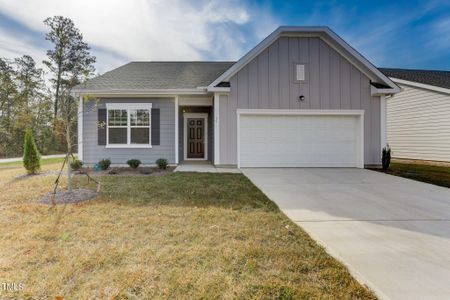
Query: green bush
104, 163
386, 158
162, 163
76, 164
31, 157
134, 163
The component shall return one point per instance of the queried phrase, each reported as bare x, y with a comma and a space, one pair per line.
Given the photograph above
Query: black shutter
101, 126
155, 126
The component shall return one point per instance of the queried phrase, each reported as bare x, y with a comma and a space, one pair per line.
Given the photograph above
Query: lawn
16, 164
438, 175
177, 236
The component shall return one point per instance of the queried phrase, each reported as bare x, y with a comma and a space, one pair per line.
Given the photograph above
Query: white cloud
147, 30
440, 35
13, 45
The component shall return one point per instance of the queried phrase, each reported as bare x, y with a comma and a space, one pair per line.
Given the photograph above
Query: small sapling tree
386, 158
31, 157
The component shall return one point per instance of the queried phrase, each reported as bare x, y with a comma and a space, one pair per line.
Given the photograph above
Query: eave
139, 93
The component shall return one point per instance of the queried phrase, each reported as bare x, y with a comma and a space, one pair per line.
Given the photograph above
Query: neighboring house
301, 98
418, 118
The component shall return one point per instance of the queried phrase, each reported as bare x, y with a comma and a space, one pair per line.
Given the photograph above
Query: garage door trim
305, 112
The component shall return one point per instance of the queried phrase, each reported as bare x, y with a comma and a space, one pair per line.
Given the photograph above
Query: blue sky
402, 34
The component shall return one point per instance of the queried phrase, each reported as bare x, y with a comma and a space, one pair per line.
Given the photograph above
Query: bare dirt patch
72, 197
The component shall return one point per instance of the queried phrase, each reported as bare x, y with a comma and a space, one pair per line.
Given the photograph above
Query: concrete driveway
392, 233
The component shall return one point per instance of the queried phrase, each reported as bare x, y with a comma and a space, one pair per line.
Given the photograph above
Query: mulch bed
126, 171
66, 197
429, 176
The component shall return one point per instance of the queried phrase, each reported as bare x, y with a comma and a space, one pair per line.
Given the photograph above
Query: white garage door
300, 140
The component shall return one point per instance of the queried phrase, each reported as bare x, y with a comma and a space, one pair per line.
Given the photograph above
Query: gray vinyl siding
225, 143
332, 82
418, 124
92, 152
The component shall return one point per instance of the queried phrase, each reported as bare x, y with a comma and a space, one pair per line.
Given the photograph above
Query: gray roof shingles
436, 78
158, 75
193, 74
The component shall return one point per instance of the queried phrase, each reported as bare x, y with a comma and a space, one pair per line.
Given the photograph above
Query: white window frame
128, 107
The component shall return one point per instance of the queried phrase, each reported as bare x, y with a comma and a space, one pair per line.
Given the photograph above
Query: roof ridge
182, 61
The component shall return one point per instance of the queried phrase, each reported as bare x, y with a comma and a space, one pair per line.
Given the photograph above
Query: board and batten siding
92, 152
418, 124
267, 82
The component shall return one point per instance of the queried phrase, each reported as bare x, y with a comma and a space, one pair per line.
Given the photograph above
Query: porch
195, 131
203, 167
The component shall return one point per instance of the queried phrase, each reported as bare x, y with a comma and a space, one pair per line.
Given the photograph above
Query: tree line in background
25, 102
46, 107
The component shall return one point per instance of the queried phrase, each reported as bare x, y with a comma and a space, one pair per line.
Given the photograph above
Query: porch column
216, 130
80, 128
176, 130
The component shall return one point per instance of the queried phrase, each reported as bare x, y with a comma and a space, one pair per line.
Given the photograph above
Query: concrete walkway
203, 167
5, 160
392, 233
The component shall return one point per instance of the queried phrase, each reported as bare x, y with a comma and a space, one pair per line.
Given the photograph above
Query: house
302, 97
418, 118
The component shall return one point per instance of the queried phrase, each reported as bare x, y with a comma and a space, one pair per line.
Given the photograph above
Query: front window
117, 126
140, 126
129, 125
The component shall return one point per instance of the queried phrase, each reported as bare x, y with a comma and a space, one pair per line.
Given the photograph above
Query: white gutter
219, 89
130, 92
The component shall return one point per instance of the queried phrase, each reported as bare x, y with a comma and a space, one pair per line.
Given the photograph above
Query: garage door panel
298, 141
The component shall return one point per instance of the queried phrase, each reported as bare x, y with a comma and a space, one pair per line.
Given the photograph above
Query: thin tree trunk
58, 84
69, 154
8, 113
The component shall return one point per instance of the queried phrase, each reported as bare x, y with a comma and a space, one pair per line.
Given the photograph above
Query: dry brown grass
179, 236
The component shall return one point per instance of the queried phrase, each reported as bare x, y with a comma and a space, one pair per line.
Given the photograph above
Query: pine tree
31, 157
70, 60
70, 63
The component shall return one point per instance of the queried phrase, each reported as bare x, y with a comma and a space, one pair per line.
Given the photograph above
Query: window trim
128, 107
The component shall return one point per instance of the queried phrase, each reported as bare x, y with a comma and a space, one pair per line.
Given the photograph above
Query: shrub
76, 164
386, 158
162, 163
134, 163
104, 163
31, 157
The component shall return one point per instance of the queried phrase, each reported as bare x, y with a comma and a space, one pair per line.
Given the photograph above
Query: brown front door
195, 138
